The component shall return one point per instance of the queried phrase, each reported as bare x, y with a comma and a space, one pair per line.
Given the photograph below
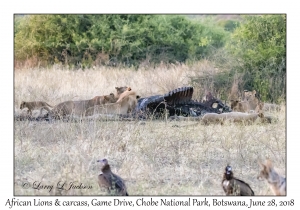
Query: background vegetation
114, 39
248, 51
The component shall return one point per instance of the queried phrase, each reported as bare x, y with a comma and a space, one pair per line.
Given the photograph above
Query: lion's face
250, 96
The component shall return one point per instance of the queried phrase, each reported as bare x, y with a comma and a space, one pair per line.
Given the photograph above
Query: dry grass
155, 158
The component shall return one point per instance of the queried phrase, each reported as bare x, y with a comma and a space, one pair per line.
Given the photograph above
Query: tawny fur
121, 90
239, 106
276, 182
125, 104
32, 105
78, 108
132, 99
252, 102
236, 117
98, 100
251, 99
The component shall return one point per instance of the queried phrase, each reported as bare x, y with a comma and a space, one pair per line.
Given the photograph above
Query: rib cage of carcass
178, 102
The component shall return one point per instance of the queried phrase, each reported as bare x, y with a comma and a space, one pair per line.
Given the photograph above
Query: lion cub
32, 105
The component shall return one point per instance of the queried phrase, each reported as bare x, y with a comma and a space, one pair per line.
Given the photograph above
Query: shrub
259, 44
85, 40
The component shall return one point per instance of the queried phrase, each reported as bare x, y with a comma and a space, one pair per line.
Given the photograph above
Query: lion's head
23, 104
121, 90
250, 95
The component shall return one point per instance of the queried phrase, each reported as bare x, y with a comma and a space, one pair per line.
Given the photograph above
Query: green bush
229, 25
259, 44
82, 40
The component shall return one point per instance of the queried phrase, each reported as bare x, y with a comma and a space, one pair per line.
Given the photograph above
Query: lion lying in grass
80, 108
236, 117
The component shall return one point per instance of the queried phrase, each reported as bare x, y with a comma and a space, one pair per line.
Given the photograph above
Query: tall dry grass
56, 85
154, 158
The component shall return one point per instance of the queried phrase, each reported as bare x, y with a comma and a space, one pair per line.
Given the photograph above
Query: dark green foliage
259, 44
114, 39
254, 59
229, 25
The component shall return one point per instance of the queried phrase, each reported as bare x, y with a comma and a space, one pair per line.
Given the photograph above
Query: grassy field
154, 158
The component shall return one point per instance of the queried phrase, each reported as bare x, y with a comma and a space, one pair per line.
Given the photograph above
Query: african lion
236, 117
251, 99
120, 90
32, 105
239, 106
132, 99
79, 108
98, 100
126, 103
249, 104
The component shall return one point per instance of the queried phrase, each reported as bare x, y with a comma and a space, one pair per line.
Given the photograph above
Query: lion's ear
129, 88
